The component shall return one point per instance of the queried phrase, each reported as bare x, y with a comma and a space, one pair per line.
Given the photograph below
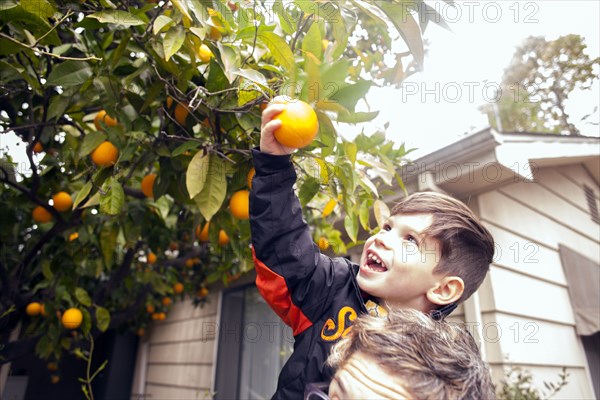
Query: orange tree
144, 113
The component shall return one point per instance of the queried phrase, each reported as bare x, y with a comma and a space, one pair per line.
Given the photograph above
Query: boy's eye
411, 238
387, 227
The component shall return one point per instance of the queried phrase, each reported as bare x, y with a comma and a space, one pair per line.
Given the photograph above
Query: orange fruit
155, 316
202, 235
203, 292
62, 201
41, 215
55, 379
72, 318
329, 207
178, 287
299, 125
103, 116
141, 332
223, 238
105, 154
189, 262
240, 204
166, 301
204, 52
148, 185
250, 175
38, 148
73, 236
162, 316
181, 113
150, 309
33, 309
151, 258
52, 366
323, 243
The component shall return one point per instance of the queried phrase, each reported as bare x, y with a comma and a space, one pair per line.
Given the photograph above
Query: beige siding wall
527, 316
176, 357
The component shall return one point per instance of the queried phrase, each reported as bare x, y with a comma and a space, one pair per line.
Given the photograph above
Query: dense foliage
182, 83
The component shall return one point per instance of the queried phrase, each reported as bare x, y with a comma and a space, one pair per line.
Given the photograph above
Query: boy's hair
467, 247
434, 359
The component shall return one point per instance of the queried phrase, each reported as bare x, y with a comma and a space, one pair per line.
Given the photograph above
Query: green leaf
279, 49
363, 215
117, 17
197, 173
113, 197
308, 190
312, 41
213, 193
83, 297
90, 142
69, 73
407, 27
190, 145
47, 269
118, 53
351, 226
161, 22
349, 95
351, 150
173, 41
247, 92
108, 242
327, 134
86, 325
357, 117
41, 8
382, 212
44, 347
58, 106
102, 318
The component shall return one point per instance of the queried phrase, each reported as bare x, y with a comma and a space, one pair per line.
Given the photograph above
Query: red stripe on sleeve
274, 290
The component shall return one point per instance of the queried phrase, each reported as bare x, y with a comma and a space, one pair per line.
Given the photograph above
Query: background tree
144, 114
537, 84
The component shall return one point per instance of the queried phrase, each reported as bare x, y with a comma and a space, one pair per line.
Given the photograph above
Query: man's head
431, 252
408, 355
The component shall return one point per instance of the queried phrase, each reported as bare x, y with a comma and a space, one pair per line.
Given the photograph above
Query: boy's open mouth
374, 263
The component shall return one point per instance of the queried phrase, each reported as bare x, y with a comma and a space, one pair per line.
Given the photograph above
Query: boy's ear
448, 290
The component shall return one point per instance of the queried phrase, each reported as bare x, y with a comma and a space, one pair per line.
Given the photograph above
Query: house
538, 309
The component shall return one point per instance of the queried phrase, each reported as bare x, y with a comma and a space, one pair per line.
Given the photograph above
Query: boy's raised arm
291, 273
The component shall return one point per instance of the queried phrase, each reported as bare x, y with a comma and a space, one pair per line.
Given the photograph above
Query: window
253, 346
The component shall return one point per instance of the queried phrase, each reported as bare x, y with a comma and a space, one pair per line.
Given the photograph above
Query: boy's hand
268, 143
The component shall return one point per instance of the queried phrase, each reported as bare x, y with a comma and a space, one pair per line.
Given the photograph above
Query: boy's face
397, 263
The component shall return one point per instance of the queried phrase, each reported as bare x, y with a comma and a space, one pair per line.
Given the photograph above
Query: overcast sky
460, 63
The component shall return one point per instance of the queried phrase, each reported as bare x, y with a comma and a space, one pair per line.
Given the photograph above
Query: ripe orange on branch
41, 215
72, 318
202, 235
104, 117
148, 185
62, 201
105, 154
240, 204
299, 125
33, 309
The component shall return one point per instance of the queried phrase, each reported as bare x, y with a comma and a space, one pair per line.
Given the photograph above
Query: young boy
430, 254
407, 356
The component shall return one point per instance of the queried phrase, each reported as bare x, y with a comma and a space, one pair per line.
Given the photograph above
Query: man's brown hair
467, 247
434, 359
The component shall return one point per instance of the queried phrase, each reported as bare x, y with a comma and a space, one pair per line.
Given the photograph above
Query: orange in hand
299, 125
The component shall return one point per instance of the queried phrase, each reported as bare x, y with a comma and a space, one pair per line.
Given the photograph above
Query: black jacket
317, 296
